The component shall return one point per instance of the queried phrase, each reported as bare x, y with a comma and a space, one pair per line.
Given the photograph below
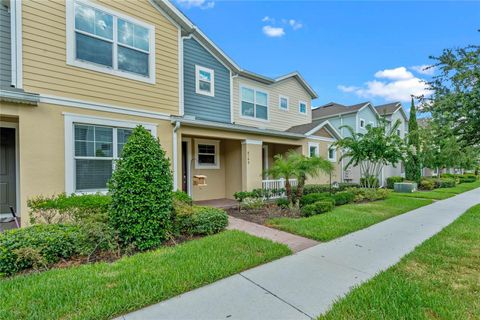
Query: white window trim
306, 107
70, 121
280, 97
254, 103
197, 81
215, 143
71, 60
360, 123
317, 147
371, 123
334, 159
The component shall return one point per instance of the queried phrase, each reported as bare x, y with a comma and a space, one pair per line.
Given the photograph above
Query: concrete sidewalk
305, 285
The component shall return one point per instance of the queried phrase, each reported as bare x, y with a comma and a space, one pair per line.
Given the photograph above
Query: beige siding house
84, 73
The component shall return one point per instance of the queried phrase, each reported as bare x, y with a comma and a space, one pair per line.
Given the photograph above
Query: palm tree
283, 167
296, 165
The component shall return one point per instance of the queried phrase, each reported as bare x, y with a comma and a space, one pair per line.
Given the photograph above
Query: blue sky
348, 51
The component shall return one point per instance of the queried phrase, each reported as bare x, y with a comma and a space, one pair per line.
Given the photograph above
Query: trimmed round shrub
392, 180
445, 183
42, 244
313, 197
141, 190
202, 221
308, 210
343, 197
426, 184
323, 206
318, 207
283, 203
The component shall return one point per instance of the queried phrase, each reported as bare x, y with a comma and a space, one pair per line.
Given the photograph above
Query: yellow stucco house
78, 75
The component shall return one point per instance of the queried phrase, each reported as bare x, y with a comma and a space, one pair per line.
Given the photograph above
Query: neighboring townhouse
358, 117
393, 112
78, 75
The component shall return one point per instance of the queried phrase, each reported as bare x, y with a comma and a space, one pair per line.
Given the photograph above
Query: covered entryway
8, 169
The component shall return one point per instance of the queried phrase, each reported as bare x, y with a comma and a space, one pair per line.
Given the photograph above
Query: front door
7, 170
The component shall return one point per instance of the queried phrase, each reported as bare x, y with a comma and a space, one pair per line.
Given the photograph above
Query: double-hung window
102, 40
302, 107
204, 81
207, 152
96, 149
254, 103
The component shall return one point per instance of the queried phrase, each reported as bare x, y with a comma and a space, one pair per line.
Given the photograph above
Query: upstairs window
254, 103
362, 123
204, 81
302, 107
283, 103
102, 40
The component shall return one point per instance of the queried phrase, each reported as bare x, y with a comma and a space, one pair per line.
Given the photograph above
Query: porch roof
236, 127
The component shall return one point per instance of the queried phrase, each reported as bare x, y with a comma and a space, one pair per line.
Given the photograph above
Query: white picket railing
277, 187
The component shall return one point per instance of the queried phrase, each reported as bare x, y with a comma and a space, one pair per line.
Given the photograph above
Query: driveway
304, 285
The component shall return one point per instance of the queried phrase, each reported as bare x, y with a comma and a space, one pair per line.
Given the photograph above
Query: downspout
175, 157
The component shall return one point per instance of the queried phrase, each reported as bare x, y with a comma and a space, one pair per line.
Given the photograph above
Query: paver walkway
294, 242
304, 285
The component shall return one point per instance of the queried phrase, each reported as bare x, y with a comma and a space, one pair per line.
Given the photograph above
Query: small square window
204, 81
302, 107
207, 154
283, 103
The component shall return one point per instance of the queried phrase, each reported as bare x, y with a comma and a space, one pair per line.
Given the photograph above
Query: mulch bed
261, 216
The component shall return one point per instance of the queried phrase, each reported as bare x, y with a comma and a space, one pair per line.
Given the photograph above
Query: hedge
392, 180
196, 220
343, 197
318, 207
39, 246
314, 197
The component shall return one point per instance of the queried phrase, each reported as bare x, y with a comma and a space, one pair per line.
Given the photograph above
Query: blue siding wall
368, 115
5, 54
204, 107
348, 120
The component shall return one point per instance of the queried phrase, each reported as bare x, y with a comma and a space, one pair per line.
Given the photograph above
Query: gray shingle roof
333, 108
304, 128
388, 109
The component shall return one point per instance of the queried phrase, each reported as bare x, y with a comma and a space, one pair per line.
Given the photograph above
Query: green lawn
347, 218
439, 280
443, 193
102, 290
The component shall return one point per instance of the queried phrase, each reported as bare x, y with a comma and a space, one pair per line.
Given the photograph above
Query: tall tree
455, 99
412, 165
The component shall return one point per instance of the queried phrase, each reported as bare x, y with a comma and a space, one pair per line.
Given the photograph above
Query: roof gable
336, 109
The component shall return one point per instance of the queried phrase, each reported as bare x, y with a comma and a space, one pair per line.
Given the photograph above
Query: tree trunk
299, 193
288, 190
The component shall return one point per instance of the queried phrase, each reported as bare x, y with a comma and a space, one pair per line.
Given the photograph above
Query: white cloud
399, 73
399, 85
268, 19
424, 69
270, 31
202, 4
295, 24
348, 88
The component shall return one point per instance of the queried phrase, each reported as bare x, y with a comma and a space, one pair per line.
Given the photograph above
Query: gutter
175, 157
235, 128
19, 96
